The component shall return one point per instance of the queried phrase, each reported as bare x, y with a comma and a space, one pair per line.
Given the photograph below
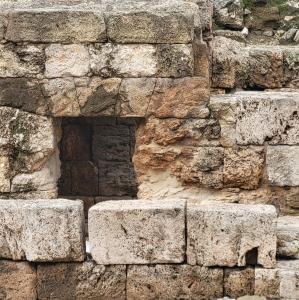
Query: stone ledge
137, 232
42, 230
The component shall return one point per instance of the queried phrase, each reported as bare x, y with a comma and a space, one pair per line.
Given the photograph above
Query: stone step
236, 65
42, 230
288, 237
99, 21
155, 231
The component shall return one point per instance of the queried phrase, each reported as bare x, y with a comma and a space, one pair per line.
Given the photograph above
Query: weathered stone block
17, 280
239, 282
5, 171
42, 230
279, 283
66, 60
151, 26
85, 280
180, 98
231, 235
46, 26
283, 165
21, 61
174, 282
288, 237
137, 232
267, 116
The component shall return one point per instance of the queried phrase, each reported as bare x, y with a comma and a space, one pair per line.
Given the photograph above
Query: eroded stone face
17, 280
174, 282
137, 232
283, 165
55, 26
85, 280
231, 235
42, 230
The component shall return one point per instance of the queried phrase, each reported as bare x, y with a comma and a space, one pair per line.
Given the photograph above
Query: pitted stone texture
21, 61
141, 60
174, 282
283, 165
55, 26
288, 237
81, 281
5, 174
17, 280
279, 283
267, 116
42, 230
66, 60
137, 232
238, 282
227, 234
154, 25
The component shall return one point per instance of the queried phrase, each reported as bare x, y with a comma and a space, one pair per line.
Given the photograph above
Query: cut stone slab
137, 232
231, 235
288, 237
283, 165
85, 280
42, 230
279, 283
17, 280
174, 282
50, 26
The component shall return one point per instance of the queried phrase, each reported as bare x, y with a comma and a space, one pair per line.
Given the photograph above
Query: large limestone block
267, 116
17, 280
151, 26
21, 60
231, 235
279, 283
288, 237
66, 60
48, 26
81, 281
137, 232
42, 230
174, 282
283, 165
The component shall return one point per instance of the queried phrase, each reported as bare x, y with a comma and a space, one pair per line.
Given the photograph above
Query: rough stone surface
4, 174
288, 237
66, 60
55, 26
283, 165
239, 282
17, 280
137, 232
85, 280
270, 116
229, 234
41, 230
174, 282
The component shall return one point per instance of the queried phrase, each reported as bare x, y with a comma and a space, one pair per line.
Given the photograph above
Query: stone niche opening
96, 159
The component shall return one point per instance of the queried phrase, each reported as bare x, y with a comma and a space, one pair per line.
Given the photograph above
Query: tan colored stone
243, 167
239, 282
17, 280
4, 174
137, 232
291, 60
42, 230
135, 96
66, 60
180, 98
237, 230
81, 281
55, 26
174, 282
283, 165
21, 61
